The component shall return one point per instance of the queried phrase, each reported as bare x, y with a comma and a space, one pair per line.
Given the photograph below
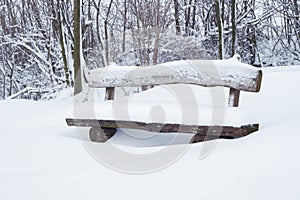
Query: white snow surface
43, 158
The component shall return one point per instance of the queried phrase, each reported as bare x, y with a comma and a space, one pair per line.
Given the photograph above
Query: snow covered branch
26, 90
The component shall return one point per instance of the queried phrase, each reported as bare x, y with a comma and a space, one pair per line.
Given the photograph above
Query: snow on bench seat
161, 112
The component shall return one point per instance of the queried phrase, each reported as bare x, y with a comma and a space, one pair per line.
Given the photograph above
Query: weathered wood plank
227, 133
201, 131
208, 73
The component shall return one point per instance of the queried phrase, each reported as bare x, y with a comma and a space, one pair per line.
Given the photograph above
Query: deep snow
42, 158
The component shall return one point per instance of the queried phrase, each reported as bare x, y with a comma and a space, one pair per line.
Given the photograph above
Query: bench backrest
208, 73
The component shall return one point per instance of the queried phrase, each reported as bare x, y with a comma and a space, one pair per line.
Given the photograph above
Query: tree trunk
98, 32
220, 29
62, 44
106, 33
188, 16
106, 60
297, 23
194, 15
157, 33
124, 26
222, 8
177, 22
11, 66
77, 47
3, 22
4, 86
233, 23
138, 33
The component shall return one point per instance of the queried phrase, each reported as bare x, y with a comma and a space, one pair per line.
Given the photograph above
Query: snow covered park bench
230, 73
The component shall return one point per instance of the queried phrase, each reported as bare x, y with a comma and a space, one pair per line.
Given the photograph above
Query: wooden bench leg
101, 134
234, 97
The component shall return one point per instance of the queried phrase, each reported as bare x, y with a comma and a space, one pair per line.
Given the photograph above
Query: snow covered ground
43, 158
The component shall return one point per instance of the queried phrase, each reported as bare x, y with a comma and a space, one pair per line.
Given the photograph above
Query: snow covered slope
42, 158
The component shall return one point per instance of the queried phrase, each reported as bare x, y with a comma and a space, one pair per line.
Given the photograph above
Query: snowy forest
38, 39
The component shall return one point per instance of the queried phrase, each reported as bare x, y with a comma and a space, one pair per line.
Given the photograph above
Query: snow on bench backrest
208, 73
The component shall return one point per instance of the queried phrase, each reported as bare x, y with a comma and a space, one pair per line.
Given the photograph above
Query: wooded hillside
37, 37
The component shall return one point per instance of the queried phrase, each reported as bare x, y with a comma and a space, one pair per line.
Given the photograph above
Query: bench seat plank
212, 132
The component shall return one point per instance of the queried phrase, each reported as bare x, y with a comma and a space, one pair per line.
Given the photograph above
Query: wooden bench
229, 73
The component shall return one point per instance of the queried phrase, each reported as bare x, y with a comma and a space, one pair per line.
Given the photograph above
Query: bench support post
234, 97
109, 93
